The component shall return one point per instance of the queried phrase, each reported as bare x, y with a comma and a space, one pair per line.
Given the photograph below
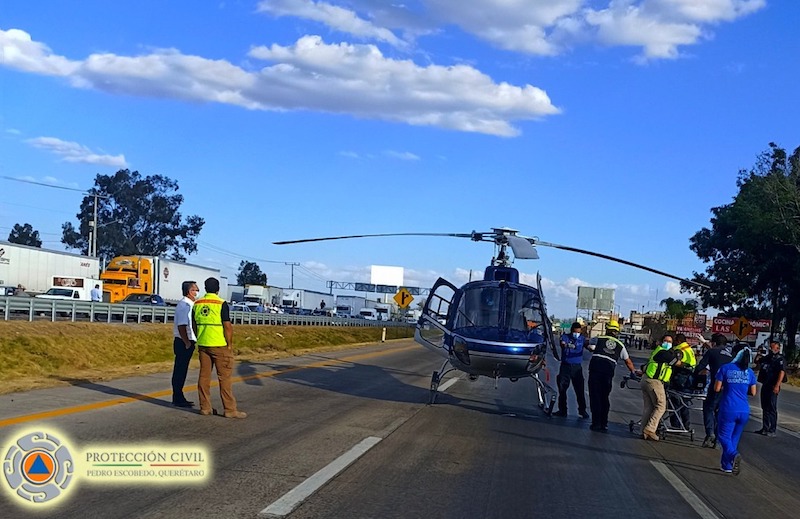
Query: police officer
571, 371
607, 351
719, 354
214, 332
771, 372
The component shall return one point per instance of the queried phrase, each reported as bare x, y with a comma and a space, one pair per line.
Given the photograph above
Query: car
144, 299
240, 307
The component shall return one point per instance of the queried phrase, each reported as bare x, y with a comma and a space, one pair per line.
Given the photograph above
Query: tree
677, 308
24, 235
135, 215
753, 245
250, 274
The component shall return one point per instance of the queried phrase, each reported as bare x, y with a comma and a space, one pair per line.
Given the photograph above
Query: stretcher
690, 396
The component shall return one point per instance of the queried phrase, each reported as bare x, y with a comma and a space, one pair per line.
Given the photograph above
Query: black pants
182, 357
710, 409
571, 373
769, 408
599, 389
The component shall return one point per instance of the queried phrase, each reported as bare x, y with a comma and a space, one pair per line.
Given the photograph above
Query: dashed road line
446, 385
690, 497
292, 499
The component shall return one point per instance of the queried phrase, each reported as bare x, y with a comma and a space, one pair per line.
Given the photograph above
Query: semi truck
71, 288
126, 275
295, 300
263, 296
349, 306
384, 311
33, 268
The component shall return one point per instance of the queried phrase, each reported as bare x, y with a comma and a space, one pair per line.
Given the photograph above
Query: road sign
741, 328
403, 298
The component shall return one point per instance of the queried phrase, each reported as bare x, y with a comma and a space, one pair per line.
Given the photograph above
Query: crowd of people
724, 368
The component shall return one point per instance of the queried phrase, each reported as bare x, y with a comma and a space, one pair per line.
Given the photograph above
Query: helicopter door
432, 326
548, 326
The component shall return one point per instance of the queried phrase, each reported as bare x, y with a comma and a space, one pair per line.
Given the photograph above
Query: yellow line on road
157, 394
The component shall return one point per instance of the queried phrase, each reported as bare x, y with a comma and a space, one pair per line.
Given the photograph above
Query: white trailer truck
349, 306
303, 301
34, 268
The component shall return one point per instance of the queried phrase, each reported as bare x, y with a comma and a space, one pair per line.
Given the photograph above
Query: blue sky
606, 125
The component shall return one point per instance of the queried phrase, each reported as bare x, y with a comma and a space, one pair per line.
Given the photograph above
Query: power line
26, 181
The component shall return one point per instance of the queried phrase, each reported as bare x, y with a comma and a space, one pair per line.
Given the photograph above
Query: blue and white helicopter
496, 327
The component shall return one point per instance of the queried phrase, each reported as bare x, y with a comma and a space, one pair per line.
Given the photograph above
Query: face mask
666, 345
576, 335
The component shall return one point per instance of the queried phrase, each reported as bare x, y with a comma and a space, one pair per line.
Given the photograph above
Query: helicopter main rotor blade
618, 260
453, 235
522, 248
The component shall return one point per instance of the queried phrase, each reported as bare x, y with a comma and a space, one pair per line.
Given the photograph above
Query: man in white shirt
183, 343
96, 295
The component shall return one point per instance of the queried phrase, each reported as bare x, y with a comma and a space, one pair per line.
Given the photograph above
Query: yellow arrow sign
741, 328
403, 298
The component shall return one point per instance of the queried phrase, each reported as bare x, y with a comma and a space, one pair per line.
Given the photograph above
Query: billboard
590, 298
383, 275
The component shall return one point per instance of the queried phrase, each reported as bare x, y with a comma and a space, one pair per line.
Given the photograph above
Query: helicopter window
479, 307
524, 308
438, 305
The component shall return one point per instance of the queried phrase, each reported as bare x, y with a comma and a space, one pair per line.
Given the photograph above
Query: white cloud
74, 152
349, 154
659, 27
337, 18
309, 75
401, 155
13, 131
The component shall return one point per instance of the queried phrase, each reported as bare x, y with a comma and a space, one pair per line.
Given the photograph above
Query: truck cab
370, 314
126, 275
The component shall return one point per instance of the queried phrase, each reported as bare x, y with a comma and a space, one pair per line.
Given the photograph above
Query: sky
609, 125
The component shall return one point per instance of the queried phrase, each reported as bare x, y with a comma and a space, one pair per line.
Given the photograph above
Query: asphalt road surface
350, 435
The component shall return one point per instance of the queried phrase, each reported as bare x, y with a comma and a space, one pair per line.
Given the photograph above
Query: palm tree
678, 309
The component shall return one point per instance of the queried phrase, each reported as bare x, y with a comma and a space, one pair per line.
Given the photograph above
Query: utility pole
293, 265
93, 225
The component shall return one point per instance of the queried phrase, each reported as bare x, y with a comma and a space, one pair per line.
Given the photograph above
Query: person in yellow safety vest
657, 373
212, 325
689, 362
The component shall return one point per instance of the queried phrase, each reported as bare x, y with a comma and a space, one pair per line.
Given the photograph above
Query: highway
350, 434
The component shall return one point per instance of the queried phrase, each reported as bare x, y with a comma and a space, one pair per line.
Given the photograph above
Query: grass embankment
45, 354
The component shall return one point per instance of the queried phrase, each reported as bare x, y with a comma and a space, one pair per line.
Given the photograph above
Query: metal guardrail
33, 309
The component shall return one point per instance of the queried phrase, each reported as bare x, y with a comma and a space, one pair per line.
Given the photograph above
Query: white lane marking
694, 501
446, 385
292, 499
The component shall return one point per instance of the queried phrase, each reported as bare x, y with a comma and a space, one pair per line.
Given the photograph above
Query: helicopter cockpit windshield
507, 312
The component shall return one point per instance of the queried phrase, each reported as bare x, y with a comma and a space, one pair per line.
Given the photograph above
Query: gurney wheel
691, 435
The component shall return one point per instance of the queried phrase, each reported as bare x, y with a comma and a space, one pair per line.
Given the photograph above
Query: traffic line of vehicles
156, 281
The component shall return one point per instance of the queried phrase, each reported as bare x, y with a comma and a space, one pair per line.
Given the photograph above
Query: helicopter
497, 327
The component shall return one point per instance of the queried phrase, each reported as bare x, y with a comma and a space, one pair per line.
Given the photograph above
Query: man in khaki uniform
212, 325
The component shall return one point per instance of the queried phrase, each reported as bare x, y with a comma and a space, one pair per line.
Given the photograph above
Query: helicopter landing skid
545, 394
436, 379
